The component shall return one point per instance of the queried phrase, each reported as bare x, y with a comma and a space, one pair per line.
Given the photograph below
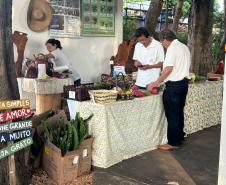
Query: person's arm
148, 66
159, 58
136, 56
165, 73
137, 63
49, 55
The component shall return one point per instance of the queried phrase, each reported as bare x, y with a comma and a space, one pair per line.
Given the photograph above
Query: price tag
75, 160
72, 94
85, 153
119, 69
111, 62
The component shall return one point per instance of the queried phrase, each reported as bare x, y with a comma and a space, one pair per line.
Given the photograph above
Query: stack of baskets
103, 96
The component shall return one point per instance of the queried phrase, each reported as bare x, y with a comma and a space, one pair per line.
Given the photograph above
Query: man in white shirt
175, 75
148, 56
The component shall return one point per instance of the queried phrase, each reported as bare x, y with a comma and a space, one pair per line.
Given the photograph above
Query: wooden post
12, 169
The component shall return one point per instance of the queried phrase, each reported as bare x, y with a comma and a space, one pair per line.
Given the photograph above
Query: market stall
124, 129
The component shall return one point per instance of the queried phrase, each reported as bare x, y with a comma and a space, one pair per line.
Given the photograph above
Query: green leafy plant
183, 37
129, 26
67, 136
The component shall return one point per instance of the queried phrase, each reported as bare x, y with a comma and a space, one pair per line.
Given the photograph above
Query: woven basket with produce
103, 96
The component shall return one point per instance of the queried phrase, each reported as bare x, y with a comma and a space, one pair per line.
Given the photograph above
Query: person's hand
137, 64
145, 67
49, 55
153, 84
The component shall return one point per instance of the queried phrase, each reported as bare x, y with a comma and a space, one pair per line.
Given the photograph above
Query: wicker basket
103, 96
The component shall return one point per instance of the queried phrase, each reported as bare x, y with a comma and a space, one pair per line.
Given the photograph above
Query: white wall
89, 55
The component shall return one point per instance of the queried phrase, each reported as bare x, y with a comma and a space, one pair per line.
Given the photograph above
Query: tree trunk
178, 14
200, 35
223, 41
153, 15
9, 88
166, 16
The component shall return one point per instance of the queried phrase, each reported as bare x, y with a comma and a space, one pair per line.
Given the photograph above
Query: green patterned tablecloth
203, 106
125, 129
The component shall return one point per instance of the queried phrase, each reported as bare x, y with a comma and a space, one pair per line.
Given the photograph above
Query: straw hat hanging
39, 15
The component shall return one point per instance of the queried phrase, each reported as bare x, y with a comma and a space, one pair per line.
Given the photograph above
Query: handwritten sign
7, 127
12, 131
12, 115
21, 134
14, 104
15, 147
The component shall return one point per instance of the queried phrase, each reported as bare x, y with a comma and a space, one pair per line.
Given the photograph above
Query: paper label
111, 62
85, 153
119, 69
72, 94
75, 160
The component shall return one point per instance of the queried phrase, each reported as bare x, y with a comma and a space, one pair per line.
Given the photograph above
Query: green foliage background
218, 26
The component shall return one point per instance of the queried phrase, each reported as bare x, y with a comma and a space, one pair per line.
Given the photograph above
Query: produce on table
154, 90
216, 78
200, 78
137, 92
192, 77
146, 92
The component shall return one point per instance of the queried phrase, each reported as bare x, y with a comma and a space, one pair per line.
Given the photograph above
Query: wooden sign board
24, 110
8, 127
15, 114
15, 147
21, 134
14, 104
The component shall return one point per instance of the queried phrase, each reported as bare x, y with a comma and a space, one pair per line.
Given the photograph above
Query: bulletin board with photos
98, 17
66, 18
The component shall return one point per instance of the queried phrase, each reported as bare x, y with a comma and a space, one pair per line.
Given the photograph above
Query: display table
48, 92
203, 106
124, 129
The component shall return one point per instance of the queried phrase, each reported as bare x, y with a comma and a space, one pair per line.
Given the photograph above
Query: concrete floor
196, 163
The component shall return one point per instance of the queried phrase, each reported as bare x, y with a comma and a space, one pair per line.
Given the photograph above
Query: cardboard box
85, 159
61, 169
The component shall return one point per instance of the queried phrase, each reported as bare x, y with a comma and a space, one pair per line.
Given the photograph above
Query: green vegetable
82, 130
199, 78
75, 139
68, 136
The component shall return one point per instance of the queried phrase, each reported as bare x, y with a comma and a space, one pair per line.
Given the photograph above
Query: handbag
32, 70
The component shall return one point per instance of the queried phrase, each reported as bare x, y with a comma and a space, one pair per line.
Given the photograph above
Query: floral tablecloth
203, 106
125, 129
48, 86
122, 130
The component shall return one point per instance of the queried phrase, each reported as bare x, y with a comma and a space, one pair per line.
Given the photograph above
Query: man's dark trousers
174, 97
